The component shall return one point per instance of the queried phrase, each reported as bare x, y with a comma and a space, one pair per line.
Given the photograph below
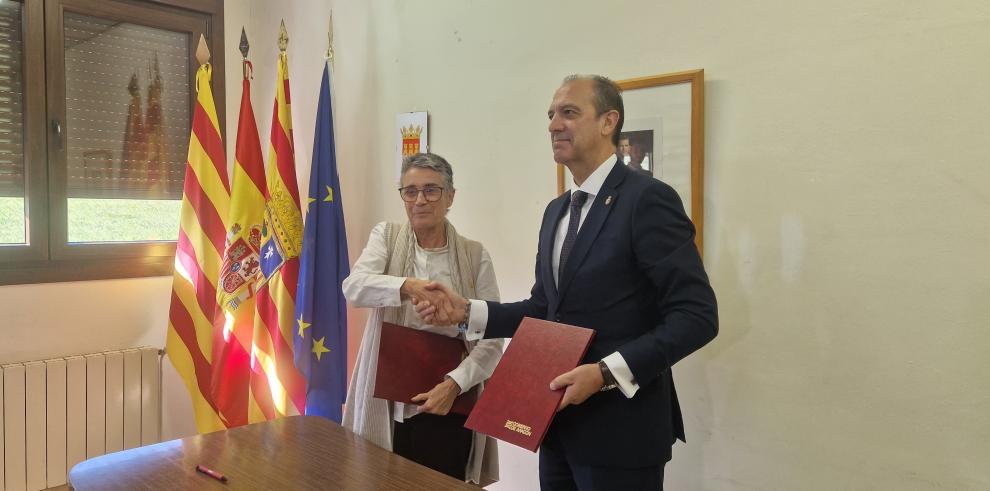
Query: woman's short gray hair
432, 162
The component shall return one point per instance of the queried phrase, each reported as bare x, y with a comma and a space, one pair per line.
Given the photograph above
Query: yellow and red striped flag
280, 248
195, 318
240, 385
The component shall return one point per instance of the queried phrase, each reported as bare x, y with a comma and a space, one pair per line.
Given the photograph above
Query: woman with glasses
393, 270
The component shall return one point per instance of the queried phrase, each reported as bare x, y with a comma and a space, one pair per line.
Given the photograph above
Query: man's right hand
442, 307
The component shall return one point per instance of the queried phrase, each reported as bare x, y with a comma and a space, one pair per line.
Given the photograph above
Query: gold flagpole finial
330, 39
283, 37
202, 51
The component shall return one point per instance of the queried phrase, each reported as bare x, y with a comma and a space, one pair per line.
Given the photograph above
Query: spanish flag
281, 242
195, 316
240, 385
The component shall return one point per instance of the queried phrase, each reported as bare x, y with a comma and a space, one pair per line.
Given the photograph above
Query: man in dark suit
616, 255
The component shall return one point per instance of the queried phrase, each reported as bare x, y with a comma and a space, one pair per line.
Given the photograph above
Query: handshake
435, 303
439, 305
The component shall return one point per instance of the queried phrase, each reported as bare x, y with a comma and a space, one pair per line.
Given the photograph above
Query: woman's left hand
440, 398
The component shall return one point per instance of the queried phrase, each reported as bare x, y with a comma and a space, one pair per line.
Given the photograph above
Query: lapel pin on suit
608, 200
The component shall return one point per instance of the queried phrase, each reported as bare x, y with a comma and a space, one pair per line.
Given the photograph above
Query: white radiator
56, 413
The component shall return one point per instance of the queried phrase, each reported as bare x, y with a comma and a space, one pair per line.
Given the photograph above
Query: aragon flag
281, 241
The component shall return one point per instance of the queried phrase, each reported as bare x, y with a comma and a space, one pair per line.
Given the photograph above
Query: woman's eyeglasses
430, 193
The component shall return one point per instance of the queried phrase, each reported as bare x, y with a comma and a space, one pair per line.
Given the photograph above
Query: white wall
846, 211
846, 147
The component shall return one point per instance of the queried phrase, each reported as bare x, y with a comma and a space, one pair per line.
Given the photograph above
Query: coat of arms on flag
241, 269
281, 234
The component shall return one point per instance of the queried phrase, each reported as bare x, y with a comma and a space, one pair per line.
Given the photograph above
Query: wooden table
298, 452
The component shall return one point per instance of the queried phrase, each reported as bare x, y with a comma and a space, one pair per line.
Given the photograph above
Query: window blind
127, 109
11, 101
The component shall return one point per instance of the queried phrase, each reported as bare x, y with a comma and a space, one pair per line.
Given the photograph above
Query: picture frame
663, 134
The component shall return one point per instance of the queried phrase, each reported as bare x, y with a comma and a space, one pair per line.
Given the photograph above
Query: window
96, 98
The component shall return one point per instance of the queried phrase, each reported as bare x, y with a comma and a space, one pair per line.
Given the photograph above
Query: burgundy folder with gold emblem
412, 362
517, 404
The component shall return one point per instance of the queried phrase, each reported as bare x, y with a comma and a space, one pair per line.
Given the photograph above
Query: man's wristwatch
462, 326
608, 380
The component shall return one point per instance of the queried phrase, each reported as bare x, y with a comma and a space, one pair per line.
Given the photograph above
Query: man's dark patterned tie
577, 201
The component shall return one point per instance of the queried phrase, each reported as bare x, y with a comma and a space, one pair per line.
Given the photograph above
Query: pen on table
212, 473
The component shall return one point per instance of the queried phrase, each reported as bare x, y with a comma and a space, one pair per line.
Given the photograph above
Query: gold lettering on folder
518, 427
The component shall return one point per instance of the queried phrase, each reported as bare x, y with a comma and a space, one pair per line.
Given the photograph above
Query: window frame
48, 256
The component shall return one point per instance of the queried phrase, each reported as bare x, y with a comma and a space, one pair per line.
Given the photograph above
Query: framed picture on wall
663, 135
641, 146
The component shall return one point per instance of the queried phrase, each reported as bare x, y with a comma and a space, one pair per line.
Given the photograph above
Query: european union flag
321, 312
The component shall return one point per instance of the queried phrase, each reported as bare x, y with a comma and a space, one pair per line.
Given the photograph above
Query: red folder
411, 362
517, 404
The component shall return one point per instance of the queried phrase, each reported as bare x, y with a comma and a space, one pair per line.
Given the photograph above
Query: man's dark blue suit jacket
634, 276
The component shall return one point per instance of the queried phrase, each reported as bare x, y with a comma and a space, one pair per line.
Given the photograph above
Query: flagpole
330, 40
330, 67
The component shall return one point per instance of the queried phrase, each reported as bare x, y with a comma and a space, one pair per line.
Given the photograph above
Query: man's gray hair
608, 97
432, 162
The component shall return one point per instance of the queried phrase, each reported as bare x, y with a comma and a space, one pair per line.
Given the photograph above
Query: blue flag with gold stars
321, 312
